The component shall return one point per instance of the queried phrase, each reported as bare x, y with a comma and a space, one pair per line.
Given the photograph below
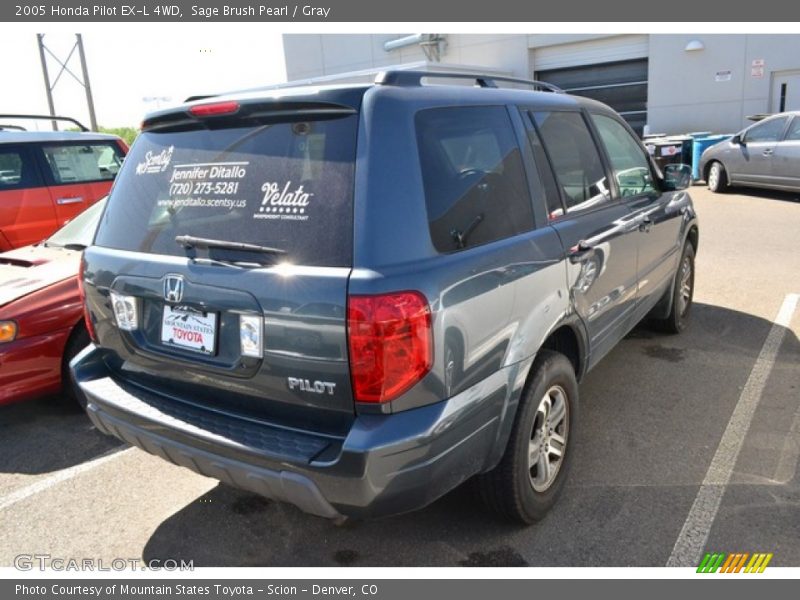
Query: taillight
86, 316
213, 109
390, 342
126, 311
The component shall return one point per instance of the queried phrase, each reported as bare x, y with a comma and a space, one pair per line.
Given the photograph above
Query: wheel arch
569, 339
707, 167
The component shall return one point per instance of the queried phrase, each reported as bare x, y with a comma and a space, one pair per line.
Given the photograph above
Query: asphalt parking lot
662, 419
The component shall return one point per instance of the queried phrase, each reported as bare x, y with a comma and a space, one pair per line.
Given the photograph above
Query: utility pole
39, 37
86, 85
64, 68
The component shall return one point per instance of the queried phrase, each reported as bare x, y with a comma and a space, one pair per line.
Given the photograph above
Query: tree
126, 133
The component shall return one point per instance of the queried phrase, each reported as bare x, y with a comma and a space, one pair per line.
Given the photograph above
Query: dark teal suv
354, 298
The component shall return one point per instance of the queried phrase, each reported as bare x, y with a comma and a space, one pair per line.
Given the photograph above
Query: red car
41, 313
49, 177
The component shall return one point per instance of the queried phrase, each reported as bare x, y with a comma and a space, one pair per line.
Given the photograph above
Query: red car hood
26, 270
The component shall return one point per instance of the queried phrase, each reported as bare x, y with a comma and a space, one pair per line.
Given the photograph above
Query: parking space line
59, 477
694, 534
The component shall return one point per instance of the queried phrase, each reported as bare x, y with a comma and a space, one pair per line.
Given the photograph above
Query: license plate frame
189, 329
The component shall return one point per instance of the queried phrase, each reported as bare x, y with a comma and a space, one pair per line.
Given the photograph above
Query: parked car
41, 314
764, 155
47, 178
492, 245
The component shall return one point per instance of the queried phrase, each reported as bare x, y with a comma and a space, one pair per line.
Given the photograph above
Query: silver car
765, 155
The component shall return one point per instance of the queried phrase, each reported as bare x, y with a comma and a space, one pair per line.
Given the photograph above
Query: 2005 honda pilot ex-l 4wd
354, 298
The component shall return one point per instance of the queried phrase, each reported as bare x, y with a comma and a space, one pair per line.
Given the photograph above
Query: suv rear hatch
220, 267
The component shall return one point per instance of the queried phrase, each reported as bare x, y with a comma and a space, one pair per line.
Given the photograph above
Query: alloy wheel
548, 441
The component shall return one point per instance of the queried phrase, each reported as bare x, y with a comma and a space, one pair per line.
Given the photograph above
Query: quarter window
628, 162
768, 131
475, 186
79, 163
17, 170
575, 159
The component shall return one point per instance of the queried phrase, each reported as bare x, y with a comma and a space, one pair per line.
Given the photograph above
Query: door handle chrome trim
581, 252
767, 152
73, 200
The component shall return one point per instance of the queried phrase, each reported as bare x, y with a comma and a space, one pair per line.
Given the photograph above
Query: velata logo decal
155, 163
736, 562
284, 202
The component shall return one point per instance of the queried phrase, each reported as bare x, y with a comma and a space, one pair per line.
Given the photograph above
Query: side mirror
677, 177
737, 139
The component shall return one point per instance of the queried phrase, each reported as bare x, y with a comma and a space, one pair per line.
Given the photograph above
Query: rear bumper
31, 366
387, 464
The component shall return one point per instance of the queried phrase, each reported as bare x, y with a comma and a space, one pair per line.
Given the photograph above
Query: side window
17, 170
768, 131
794, 131
78, 163
475, 186
628, 160
575, 159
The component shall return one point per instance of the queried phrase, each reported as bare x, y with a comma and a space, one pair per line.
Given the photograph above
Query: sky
127, 66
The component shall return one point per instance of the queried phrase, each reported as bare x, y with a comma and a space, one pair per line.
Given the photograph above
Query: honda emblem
173, 288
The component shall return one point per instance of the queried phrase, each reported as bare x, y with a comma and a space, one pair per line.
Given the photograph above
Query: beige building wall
712, 89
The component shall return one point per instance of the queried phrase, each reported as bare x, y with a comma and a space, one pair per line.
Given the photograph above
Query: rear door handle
646, 225
70, 200
580, 252
767, 152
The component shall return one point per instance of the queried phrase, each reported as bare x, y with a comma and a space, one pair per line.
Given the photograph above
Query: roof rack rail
414, 78
7, 126
80, 125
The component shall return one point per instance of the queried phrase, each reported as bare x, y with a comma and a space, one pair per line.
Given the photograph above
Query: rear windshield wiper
460, 237
189, 242
239, 264
69, 246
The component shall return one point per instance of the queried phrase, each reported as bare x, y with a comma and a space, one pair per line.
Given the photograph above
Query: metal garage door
609, 68
621, 84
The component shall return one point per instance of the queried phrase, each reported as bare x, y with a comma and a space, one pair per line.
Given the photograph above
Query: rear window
282, 185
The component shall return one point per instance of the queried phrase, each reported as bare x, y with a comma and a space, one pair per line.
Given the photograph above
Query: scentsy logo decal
155, 163
284, 202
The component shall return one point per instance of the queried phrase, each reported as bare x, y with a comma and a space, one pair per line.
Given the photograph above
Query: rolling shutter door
612, 70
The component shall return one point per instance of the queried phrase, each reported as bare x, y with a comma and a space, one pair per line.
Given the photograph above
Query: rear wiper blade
238, 264
189, 242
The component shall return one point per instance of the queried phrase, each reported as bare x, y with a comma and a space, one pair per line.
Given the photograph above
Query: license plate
189, 329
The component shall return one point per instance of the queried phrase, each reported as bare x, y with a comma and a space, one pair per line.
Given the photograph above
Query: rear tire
682, 294
78, 340
717, 178
526, 483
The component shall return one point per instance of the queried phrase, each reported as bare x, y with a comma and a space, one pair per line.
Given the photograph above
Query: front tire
717, 178
526, 483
